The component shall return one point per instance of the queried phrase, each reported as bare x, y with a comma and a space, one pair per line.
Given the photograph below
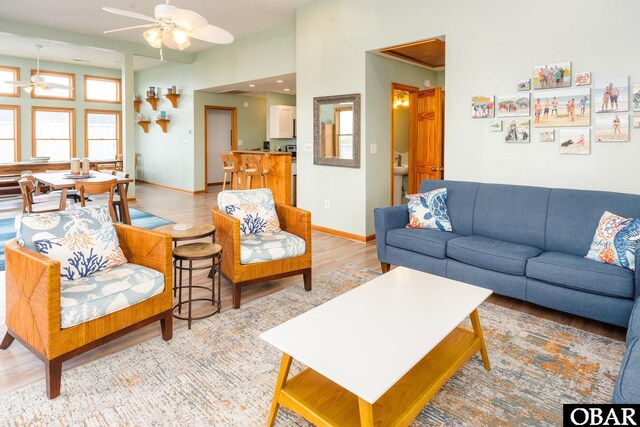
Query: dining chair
36, 203
252, 167
230, 165
92, 188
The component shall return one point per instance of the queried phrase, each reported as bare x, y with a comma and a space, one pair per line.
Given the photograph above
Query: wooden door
426, 137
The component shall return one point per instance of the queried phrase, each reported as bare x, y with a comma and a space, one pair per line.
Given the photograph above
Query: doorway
220, 130
401, 133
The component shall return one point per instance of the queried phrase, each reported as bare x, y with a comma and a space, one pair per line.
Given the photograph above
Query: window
66, 79
9, 74
53, 130
344, 131
9, 133
102, 130
101, 89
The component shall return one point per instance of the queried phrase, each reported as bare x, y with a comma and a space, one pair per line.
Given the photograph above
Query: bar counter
279, 176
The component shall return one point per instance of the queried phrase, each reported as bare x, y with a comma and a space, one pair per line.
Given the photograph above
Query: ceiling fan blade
56, 86
129, 28
212, 34
187, 19
129, 14
18, 83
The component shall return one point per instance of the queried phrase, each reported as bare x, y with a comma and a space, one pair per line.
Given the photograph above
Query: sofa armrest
227, 236
387, 219
295, 221
32, 295
148, 248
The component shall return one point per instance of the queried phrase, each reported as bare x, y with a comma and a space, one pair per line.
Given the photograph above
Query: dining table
64, 181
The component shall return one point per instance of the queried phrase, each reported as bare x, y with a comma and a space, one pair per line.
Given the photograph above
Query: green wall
26, 102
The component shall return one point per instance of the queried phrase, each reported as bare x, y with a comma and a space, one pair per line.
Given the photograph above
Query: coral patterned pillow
429, 210
254, 208
82, 254
616, 241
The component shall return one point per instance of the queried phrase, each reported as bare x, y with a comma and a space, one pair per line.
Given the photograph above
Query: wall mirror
336, 130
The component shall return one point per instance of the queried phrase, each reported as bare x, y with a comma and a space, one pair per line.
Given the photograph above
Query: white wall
490, 45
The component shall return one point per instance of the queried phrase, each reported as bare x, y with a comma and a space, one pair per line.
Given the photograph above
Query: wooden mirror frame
318, 159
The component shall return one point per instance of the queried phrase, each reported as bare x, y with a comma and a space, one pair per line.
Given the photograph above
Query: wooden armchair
293, 220
33, 303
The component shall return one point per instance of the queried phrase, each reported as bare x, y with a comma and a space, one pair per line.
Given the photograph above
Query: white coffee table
380, 352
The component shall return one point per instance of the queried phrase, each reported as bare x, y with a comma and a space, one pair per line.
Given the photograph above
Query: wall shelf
163, 124
173, 97
136, 105
153, 102
144, 124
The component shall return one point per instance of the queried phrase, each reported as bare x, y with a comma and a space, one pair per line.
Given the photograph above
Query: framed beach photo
551, 76
513, 105
582, 79
516, 130
523, 84
635, 97
548, 135
575, 141
611, 94
562, 108
495, 126
482, 107
612, 128
636, 120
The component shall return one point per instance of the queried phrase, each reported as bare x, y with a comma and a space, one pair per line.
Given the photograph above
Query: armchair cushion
107, 291
260, 247
254, 208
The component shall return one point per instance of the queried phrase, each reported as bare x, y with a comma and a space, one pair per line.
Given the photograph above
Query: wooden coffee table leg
366, 413
285, 365
475, 321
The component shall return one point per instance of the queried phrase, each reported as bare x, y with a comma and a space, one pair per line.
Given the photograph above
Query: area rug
220, 373
138, 217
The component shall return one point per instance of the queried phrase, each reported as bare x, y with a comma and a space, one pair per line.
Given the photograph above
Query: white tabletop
367, 339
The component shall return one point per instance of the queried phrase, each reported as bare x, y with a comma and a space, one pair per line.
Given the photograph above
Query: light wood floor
18, 367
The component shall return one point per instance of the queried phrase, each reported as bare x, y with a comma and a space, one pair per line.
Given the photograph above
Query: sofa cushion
615, 241
427, 242
576, 272
505, 257
254, 208
429, 210
627, 388
106, 292
260, 247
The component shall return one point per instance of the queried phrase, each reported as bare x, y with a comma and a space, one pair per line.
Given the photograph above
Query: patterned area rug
138, 217
221, 373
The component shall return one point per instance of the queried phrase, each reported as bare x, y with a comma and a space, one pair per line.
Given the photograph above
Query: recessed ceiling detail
430, 53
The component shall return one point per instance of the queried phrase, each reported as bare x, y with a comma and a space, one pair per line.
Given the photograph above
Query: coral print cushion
83, 254
429, 210
616, 241
254, 208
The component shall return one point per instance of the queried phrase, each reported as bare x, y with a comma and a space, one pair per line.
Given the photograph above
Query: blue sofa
627, 388
524, 242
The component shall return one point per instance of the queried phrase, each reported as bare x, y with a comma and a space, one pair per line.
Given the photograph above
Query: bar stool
230, 165
253, 167
197, 252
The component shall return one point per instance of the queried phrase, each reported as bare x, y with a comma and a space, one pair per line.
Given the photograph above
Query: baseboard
356, 237
170, 188
131, 199
214, 183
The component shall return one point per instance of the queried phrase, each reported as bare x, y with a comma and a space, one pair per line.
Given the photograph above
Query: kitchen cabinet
282, 121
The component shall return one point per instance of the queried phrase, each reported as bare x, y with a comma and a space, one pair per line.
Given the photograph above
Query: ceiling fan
37, 81
174, 27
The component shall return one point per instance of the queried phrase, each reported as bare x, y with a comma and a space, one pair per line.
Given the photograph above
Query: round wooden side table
197, 252
198, 231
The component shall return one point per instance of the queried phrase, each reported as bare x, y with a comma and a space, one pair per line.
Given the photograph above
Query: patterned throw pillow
254, 208
616, 241
429, 210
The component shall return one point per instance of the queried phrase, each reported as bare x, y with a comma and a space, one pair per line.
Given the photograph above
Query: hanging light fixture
401, 99
181, 38
153, 36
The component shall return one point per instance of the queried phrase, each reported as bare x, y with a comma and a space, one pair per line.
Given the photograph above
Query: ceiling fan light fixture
28, 89
181, 38
153, 36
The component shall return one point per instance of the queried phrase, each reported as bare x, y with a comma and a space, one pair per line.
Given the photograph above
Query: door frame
410, 89
234, 136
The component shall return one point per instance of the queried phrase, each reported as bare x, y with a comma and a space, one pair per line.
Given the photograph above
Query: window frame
117, 81
16, 129
72, 82
118, 115
72, 128
16, 75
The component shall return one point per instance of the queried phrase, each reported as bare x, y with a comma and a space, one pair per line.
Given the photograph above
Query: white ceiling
239, 17
261, 87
